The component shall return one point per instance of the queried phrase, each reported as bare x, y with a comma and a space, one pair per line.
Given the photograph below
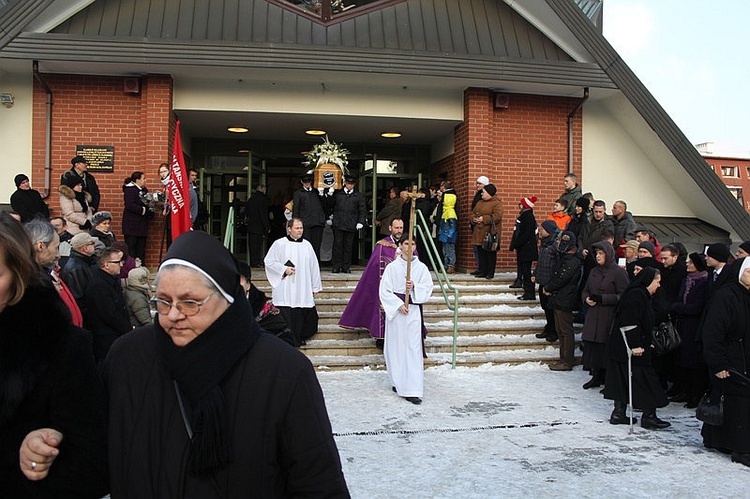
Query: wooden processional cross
413, 195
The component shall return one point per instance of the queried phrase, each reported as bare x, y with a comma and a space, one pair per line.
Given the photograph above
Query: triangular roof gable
477, 27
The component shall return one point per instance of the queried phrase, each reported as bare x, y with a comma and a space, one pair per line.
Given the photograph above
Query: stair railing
449, 291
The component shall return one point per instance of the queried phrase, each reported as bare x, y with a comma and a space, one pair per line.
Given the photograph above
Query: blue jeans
449, 253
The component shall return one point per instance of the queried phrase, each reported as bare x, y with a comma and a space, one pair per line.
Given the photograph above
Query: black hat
745, 246
566, 241
350, 178
648, 246
306, 177
583, 202
71, 179
699, 260
719, 252
20, 178
201, 251
490, 189
78, 159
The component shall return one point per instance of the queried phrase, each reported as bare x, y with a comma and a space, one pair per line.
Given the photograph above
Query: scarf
198, 368
690, 281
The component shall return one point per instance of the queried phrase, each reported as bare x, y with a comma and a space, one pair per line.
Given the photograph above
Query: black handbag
490, 241
665, 338
709, 412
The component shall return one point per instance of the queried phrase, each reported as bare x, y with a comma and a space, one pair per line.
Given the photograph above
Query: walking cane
624, 330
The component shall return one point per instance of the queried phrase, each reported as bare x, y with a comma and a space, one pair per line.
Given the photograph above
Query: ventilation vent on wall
502, 101
131, 85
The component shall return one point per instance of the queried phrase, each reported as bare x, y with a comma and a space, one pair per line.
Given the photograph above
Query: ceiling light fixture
237, 129
390, 135
315, 132
243, 151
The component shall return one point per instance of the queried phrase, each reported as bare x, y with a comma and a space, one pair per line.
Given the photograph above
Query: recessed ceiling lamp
390, 135
243, 151
315, 132
237, 129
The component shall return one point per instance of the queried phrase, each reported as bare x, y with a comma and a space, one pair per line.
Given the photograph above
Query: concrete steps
494, 326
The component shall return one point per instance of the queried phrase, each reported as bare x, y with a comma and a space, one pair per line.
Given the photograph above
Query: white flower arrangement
327, 152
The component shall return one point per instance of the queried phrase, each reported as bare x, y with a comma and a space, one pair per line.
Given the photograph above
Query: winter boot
596, 380
516, 284
450, 270
651, 422
619, 416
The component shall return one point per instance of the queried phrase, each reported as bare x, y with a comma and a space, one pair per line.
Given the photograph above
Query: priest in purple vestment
364, 309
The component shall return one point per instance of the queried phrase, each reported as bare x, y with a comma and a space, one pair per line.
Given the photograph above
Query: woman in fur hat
74, 204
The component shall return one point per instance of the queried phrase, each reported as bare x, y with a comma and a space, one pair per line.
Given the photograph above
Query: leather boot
619, 414
651, 422
596, 380
516, 284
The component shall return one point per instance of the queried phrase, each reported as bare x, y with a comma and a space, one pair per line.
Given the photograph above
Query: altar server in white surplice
293, 272
403, 326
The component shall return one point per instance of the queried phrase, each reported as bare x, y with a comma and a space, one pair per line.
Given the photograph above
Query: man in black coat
257, 209
27, 202
308, 206
107, 315
348, 218
563, 290
78, 268
80, 169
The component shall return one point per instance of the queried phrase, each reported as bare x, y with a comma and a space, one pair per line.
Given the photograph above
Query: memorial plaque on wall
100, 158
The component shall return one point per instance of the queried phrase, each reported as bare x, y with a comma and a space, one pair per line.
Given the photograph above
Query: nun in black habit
201, 404
635, 315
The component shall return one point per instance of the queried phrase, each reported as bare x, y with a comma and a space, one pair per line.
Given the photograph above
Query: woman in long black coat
726, 346
606, 283
635, 316
50, 397
687, 312
523, 242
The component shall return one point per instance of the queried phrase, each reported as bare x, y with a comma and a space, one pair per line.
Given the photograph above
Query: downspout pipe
48, 131
571, 116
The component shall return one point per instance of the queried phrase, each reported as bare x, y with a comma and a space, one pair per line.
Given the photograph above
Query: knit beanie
550, 226
201, 251
648, 246
490, 189
719, 252
528, 203
20, 178
699, 260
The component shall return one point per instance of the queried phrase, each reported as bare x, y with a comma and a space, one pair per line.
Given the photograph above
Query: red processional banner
179, 190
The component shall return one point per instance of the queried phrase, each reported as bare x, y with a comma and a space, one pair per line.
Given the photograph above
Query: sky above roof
693, 57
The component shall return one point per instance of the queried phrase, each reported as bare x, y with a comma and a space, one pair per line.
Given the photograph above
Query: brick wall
94, 110
522, 149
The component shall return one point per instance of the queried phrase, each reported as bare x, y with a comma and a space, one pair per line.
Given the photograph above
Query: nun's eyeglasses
185, 307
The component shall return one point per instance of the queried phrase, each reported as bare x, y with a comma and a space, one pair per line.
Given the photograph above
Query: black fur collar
30, 333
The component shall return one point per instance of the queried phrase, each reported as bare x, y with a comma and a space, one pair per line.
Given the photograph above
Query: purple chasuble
364, 310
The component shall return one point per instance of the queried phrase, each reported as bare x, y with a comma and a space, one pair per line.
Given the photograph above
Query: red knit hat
528, 203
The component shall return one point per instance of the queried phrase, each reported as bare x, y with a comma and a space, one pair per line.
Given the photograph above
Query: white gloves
321, 190
329, 222
359, 226
330, 191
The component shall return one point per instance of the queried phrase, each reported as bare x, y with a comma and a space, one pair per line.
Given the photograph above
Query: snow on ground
514, 431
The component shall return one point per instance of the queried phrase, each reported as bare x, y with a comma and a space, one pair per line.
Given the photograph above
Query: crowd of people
168, 375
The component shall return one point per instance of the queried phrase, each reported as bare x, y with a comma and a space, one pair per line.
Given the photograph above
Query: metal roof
688, 231
468, 27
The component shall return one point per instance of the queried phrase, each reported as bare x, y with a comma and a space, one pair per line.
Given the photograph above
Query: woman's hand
38, 451
722, 374
638, 351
